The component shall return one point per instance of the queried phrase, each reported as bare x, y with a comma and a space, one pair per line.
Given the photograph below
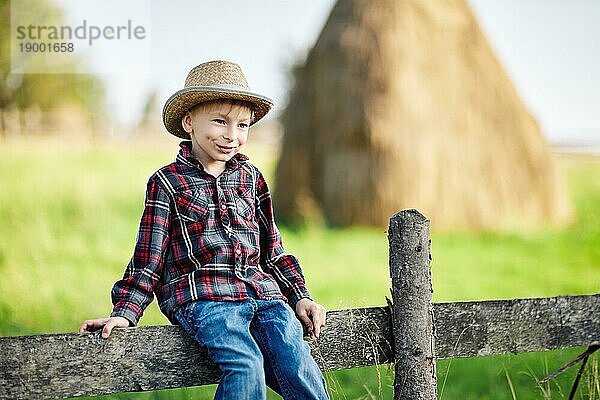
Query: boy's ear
186, 122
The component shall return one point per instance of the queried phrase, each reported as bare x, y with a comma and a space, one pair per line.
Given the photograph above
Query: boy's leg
271, 378
279, 335
223, 327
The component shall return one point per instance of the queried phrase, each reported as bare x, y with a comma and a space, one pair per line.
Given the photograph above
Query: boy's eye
219, 121
243, 125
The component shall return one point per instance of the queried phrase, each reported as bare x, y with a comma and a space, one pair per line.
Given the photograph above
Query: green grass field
69, 215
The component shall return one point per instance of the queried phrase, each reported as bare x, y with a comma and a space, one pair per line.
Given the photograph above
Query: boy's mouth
226, 149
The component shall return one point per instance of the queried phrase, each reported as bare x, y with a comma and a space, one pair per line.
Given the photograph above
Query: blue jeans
255, 343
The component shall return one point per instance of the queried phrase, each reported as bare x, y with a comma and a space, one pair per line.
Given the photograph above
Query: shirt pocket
192, 205
244, 203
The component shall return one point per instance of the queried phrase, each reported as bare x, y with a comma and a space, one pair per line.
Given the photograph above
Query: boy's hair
204, 106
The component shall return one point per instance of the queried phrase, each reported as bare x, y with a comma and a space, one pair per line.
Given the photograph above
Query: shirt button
223, 206
238, 252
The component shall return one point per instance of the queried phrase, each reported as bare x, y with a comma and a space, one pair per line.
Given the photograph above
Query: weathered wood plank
160, 357
469, 329
412, 315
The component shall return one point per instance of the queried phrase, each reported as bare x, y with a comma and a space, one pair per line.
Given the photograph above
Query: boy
209, 248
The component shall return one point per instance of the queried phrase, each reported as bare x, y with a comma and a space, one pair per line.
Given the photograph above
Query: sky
549, 48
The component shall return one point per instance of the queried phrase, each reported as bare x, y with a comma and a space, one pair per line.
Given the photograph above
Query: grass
70, 211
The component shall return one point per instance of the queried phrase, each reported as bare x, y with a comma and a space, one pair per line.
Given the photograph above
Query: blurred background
481, 114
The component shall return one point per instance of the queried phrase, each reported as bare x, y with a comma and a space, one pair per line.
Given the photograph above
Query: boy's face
218, 130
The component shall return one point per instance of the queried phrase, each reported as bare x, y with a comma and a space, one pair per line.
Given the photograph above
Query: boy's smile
218, 130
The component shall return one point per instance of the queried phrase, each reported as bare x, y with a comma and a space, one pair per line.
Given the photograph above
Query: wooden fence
403, 333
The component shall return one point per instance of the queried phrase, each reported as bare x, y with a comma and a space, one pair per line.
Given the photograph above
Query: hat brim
182, 100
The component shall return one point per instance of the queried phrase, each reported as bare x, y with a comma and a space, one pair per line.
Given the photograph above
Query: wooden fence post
412, 311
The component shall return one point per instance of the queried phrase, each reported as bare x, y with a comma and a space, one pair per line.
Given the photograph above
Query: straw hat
212, 80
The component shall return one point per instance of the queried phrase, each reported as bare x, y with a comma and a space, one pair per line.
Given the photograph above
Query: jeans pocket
192, 315
184, 314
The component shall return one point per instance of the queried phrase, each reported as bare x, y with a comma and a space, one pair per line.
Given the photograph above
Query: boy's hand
108, 324
312, 315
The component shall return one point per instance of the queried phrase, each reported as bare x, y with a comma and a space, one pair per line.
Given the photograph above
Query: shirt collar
186, 157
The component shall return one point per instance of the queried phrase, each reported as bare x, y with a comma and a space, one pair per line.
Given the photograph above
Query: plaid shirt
202, 237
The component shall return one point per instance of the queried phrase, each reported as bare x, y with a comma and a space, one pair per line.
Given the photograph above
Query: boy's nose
230, 134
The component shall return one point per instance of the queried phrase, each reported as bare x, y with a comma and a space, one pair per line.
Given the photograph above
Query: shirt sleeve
284, 267
132, 294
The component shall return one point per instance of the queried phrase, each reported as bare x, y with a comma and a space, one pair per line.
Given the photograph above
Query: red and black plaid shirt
202, 237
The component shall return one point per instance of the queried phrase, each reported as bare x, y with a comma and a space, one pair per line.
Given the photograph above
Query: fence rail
161, 357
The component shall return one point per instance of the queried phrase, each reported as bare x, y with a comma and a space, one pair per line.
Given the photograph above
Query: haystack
401, 104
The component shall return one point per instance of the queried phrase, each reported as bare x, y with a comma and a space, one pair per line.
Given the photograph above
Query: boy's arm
284, 267
132, 294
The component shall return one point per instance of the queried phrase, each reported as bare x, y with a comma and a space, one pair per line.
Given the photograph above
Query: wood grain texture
483, 328
412, 316
161, 357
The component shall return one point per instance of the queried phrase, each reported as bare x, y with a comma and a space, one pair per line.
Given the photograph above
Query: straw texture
403, 104
209, 81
